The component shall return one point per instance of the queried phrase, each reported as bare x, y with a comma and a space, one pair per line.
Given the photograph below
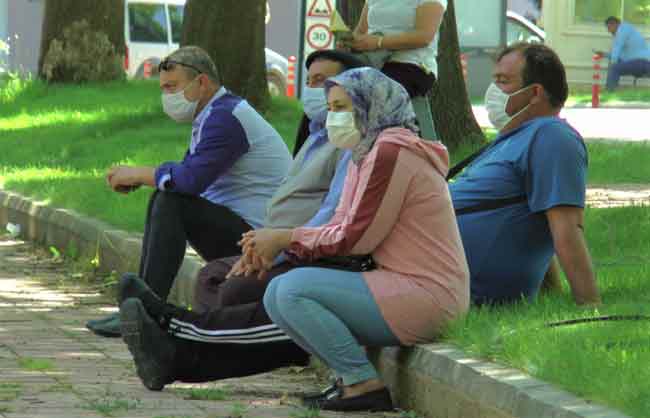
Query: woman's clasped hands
259, 250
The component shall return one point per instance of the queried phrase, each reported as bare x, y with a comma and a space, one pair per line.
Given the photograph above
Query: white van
152, 30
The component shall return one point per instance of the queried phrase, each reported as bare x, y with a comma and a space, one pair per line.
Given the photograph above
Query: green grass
204, 394
59, 141
604, 361
625, 96
34, 364
109, 407
620, 163
10, 391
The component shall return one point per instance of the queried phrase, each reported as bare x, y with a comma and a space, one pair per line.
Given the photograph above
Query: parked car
153, 30
520, 29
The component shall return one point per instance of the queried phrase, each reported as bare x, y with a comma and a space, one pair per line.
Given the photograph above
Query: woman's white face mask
177, 107
342, 130
496, 102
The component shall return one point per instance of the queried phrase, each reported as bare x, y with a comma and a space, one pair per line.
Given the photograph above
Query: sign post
315, 33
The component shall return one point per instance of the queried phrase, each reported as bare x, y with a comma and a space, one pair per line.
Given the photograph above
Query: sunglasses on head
167, 65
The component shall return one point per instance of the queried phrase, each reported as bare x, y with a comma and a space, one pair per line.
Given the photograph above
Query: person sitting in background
630, 54
407, 31
395, 206
233, 166
521, 200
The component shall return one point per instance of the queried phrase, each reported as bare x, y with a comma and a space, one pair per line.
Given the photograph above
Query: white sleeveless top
397, 16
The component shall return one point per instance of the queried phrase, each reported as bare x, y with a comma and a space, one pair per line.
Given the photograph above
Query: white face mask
177, 107
496, 102
314, 103
342, 130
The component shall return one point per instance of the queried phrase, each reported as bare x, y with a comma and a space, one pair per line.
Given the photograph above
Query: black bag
347, 263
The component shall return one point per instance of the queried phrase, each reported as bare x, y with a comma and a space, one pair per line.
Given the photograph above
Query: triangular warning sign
320, 8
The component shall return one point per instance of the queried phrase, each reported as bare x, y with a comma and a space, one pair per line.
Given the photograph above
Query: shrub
82, 55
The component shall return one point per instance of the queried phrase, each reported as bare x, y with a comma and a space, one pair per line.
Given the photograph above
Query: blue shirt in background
629, 44
509, 249
236, 159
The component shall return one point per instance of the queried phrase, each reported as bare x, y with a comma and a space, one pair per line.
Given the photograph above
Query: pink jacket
396, 205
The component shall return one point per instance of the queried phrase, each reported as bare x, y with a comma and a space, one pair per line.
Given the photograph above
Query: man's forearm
574, 258
146, 176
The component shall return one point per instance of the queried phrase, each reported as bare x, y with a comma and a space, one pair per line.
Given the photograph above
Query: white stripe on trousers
258, 334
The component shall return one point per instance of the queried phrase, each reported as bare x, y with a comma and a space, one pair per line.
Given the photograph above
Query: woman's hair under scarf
379, 103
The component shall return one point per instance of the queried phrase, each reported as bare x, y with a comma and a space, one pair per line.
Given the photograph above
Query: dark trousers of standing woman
175, 219
415, 80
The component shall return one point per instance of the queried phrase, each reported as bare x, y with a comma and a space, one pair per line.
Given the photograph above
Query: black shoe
311, 399
93, 322
152, 348
131, 286
375, 401
109, 326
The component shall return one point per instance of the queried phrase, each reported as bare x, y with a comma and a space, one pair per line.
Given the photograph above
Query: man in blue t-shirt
522, 199
630, 54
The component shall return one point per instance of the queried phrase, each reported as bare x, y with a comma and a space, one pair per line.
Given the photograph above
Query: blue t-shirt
509, 249
629, 45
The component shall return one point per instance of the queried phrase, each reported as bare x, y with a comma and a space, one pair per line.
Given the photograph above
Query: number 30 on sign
319, 36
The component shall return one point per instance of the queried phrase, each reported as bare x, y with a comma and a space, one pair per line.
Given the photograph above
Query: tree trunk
233, 33
452, 111
103, 16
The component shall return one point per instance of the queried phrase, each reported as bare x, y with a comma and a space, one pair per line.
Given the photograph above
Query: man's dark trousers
229, 334
637, 68
173, 220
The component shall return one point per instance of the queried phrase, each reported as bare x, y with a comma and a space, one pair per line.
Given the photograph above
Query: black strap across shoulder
486, 204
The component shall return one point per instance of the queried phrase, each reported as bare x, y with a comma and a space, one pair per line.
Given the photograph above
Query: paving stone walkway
618, 195
51, 366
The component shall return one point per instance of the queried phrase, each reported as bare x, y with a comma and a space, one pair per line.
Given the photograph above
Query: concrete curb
436, 380
442, 381
66, 230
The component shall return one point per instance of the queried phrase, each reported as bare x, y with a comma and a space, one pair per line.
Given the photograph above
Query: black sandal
375, 401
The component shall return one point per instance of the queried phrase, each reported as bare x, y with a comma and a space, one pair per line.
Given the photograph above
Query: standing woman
395, 205
408, 31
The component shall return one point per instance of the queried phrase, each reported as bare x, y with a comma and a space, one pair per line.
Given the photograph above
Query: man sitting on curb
522, 199
234, 164
234, 336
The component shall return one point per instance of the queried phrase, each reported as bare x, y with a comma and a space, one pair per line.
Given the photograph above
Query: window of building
636, 12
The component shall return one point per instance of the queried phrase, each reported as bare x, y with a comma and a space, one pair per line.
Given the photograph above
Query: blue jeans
331, 314
637, 68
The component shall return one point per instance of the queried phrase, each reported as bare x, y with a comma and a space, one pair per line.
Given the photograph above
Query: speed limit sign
315, 33
319, 36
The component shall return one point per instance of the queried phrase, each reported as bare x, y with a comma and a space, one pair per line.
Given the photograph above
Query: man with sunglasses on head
522, 199
220, 189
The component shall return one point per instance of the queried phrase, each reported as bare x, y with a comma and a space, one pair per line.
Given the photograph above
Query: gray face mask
177, 107
314, 103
